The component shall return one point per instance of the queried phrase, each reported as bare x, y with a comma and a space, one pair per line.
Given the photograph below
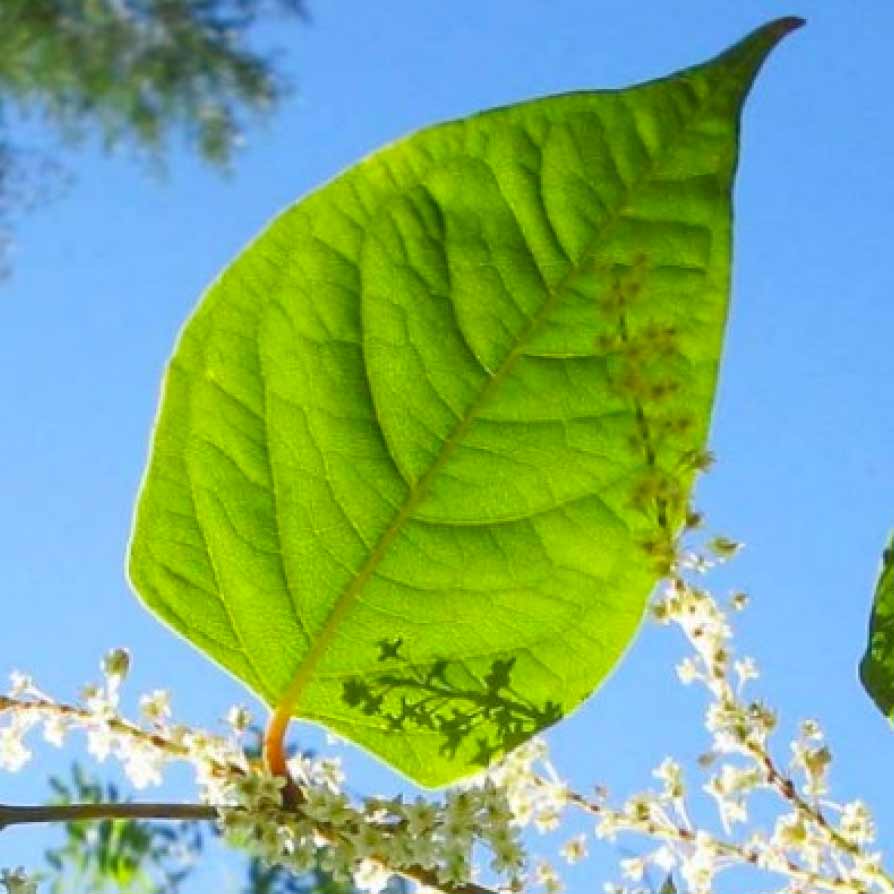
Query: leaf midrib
288, 702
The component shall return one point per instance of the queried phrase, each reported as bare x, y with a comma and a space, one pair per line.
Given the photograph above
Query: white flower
13, 752
789, 832
856, 823
156, 706
329, 773
522, 809
575, 849
671, 774
640, 808
20, 685
367, 841
54, 729
545, 874
337, 862
420, 849
143, 764
547, 819
371, 876
730, 787
100, 739
508, 854
494, 805
810, 729
867, 868
687, 671
664, 858
633, 868
259, 790
239, 719
607, 827
699, 866
100, 701
746, 669
814, 762
420, 816
303, 857
325, 806
739, 601
460, 808
455, 869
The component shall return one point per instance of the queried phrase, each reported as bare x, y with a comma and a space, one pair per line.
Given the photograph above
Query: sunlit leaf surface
424, 445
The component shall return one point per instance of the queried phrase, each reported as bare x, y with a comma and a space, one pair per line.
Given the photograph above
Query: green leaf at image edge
423, 446
877, 666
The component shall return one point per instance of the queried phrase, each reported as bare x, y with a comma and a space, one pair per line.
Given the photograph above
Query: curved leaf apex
785, 25
768, 35
751, 52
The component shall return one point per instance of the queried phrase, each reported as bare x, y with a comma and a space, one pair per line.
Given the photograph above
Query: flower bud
116, 664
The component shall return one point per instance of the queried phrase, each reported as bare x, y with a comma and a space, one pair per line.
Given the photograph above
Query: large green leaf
424, 444
877, 666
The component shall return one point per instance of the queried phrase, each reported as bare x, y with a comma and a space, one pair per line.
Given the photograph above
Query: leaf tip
768, 36
773, 33
781, 27
746, 57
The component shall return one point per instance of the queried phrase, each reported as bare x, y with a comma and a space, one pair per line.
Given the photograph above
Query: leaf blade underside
413, 440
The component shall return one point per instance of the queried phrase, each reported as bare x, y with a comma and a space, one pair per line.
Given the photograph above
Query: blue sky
804, 420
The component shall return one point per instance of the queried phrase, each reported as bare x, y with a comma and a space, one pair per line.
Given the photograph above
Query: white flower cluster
368, 842
436, 842
810, 849
474, 831
142, 751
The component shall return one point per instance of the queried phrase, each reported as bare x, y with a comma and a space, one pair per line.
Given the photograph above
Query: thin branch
788, 791
15, 815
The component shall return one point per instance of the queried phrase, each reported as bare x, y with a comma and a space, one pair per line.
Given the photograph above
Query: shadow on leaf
429, 697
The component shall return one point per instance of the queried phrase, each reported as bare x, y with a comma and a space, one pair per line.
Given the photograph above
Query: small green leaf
877, 666
424, 447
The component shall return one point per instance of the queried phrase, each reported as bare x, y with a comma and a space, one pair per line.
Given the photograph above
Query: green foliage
118, 855
425, 446
129, 72
137, 69
877, 666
